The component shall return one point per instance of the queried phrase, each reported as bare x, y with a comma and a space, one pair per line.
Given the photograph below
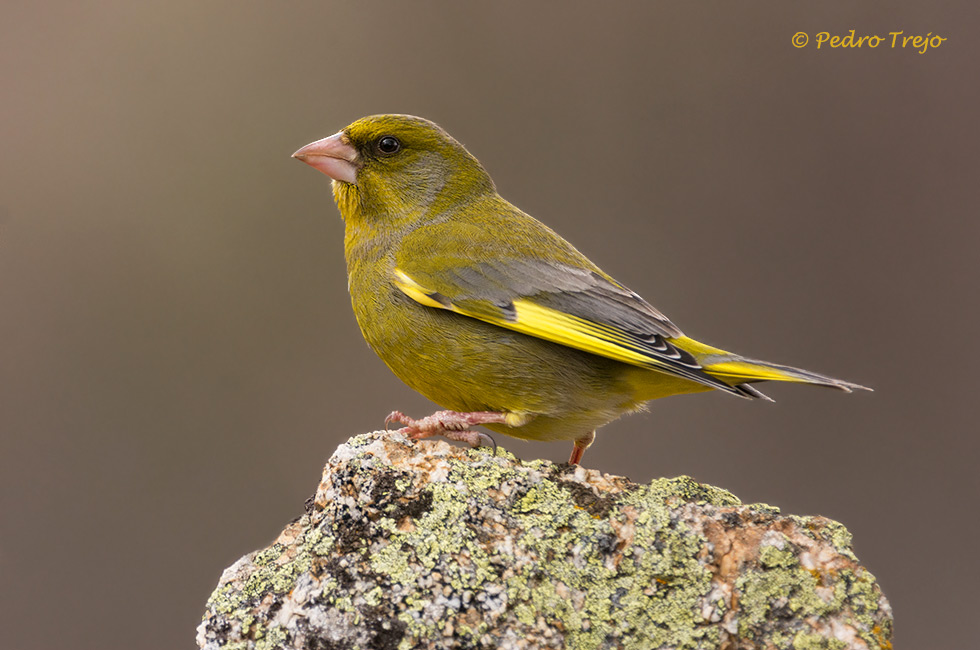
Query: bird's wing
571, 304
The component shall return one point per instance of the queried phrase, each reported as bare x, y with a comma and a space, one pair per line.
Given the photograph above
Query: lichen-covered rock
425, 545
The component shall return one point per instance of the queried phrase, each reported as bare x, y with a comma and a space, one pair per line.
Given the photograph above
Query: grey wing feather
580, 292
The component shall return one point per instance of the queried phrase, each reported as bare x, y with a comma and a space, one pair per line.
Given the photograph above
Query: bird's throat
347, 198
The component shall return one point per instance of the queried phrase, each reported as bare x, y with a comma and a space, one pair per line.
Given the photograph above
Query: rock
426, 545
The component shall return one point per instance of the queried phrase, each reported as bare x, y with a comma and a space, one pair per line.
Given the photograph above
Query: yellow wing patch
417, 292
574, 332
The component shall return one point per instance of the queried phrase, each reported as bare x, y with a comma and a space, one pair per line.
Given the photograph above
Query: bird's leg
579, 449
451, 424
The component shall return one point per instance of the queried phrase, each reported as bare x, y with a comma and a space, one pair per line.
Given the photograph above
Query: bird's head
396, 165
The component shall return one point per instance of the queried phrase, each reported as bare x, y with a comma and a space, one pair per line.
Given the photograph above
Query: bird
488, 312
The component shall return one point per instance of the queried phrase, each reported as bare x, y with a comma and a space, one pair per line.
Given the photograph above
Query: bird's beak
334, 156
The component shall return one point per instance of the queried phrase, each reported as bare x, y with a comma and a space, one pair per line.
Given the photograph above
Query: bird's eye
389, 144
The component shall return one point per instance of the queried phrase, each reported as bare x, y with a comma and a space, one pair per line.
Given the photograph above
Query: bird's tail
739, 371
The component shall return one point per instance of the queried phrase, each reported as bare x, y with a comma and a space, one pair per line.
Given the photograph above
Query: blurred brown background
177, 353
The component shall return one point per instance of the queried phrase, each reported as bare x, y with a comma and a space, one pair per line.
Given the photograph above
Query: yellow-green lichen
820, 528
322, 545
763, 509
237, 601
273, 639
863, 600
810, 641
784, 585
268, 555
771, 556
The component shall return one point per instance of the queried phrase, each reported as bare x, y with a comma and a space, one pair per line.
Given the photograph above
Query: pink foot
450, 424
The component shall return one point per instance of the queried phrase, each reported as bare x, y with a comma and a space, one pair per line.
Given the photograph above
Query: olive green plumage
480, 307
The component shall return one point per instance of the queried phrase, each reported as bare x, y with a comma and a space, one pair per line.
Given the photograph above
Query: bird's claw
483, 438
397, 416
449, 424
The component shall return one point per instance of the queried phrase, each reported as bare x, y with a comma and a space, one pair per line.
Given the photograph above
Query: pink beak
334, 156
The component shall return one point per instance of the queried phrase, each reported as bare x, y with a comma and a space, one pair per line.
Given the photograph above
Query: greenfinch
488, 312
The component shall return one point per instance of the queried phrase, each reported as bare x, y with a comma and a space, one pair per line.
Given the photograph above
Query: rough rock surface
426, 545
